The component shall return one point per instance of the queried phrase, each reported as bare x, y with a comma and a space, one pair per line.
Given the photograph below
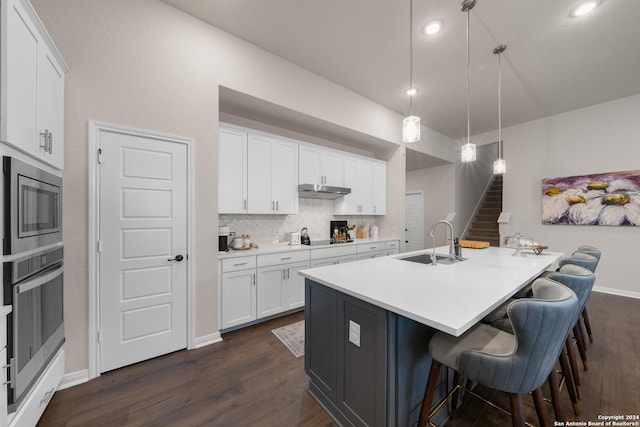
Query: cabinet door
232, 171
260, 200
284, 176
365, 186
348, 205
379, 188
238, 298
294, 286
310, 169
20, 82
270, 299
3, 388
50, 108
332, 169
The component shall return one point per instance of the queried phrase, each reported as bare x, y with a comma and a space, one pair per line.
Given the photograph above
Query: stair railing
478, 205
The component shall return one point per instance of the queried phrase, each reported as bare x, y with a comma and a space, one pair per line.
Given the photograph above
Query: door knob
177, 258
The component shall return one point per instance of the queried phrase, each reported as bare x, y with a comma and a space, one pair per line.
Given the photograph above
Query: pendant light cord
468, 82
498, 50
411, 56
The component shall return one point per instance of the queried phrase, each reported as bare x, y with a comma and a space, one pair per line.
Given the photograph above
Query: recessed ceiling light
432, 27
584, 8
411, 91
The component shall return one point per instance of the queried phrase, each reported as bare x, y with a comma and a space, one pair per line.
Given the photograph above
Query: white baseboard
74, 378
207, 340
619, 292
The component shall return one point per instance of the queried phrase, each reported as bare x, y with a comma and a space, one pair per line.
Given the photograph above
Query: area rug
292, 336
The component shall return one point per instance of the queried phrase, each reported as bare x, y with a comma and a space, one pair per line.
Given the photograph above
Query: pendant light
499, 166
468, 152
411, 124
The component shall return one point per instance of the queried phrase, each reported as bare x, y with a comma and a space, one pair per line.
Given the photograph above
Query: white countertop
284, 247
450, 298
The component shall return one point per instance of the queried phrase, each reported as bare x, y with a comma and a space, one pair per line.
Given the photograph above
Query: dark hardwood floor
251, 379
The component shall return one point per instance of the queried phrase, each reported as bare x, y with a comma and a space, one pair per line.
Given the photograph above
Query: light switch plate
354, 333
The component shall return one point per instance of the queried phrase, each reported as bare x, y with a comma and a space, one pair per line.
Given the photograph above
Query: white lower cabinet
339, 254
393, 247
279, 286
238, 294
333, 261
254, 287
371, 250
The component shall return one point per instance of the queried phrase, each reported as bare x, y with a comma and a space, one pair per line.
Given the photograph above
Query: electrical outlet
354, 333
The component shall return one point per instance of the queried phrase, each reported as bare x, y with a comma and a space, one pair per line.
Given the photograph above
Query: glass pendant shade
468, 152
499, 167
411, 129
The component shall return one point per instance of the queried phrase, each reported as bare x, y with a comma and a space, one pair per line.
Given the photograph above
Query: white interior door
414, 222
143, 241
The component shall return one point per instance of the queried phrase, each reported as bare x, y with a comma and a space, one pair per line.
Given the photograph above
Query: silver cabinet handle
239, 264
253, 279
288, 273
285, 258
284, 273
277, 205
46, 140
244, 204
273, 205
50, 142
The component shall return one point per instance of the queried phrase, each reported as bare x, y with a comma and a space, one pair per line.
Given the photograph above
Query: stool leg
574, 366
581, 349
517, 415
454, 397
429, 393
538, 400
554, 387
585, 316
571, 387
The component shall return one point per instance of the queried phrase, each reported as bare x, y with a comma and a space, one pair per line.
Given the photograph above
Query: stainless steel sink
426, 259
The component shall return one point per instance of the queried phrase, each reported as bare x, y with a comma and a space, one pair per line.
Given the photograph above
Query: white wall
147, 65
438, 186
596, 139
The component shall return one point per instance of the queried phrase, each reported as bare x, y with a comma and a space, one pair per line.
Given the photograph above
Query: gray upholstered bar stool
589, 262
591, 250
580, 280
516, 364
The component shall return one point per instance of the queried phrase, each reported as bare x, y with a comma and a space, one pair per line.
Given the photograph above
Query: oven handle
39, 280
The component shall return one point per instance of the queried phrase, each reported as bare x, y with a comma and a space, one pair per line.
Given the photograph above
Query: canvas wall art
600, 199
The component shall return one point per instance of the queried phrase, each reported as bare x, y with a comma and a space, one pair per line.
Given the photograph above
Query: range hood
317, 191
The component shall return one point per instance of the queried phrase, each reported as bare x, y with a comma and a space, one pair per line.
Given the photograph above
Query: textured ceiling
553, 63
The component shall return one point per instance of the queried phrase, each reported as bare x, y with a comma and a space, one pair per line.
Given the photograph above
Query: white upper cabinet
379, 188
232, 171
32, 85
367, 180
257, 174
320, 166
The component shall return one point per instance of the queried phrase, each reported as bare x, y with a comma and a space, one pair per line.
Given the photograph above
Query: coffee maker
223, 238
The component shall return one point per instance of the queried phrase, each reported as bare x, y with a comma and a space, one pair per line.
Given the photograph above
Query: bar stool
580, 280
516, 364
591, 250
589, 262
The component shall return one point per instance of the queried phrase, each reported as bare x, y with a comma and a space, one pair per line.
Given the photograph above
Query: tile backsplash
315, 214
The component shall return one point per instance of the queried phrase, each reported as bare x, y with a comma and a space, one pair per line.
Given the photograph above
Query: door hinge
100, 336
99, 156
99, 248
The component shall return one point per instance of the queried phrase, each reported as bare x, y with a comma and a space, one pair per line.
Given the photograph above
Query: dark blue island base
381, 382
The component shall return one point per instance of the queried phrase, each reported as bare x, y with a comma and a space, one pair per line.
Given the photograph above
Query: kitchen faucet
452, 251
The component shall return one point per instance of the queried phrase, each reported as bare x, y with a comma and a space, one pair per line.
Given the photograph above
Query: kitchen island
368, 325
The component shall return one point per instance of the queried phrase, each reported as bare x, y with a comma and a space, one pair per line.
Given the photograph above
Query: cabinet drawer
283, 258
393, 245
238, 263
370, 247
333, 251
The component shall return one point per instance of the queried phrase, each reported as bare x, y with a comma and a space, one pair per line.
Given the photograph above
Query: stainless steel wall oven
35, 328
32, 207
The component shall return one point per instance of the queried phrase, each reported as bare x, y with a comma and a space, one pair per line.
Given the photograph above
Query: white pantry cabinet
320, 166
32, 85
379, 188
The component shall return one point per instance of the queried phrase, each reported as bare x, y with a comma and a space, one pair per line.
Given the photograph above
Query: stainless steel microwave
32, 207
